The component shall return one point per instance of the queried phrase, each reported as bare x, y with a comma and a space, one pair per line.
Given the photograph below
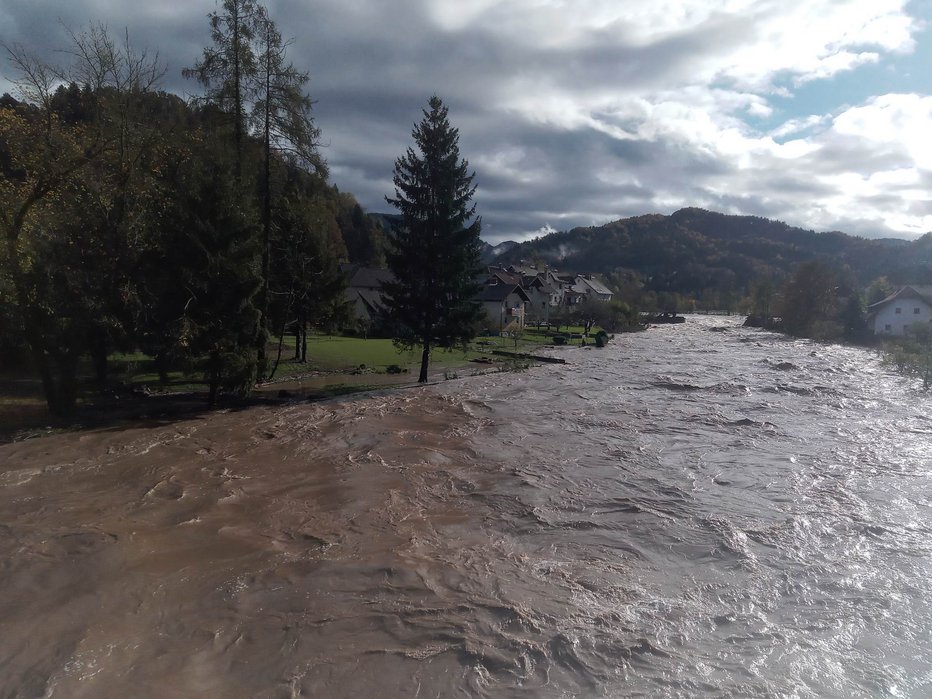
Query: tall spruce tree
435, 255
248, 78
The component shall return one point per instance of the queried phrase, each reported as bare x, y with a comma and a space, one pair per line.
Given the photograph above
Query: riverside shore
340, 366
24, 415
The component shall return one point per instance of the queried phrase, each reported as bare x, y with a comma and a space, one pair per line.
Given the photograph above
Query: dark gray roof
597, 286
499, 292
915, 291
369, 278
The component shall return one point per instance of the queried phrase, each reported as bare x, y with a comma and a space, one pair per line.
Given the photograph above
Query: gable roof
504, 276
500, 292
369, 278
597, 286
543, 284
921, 292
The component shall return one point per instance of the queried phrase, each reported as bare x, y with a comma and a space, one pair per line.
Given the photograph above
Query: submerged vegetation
911, 355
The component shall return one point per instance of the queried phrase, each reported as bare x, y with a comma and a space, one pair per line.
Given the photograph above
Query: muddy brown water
698, 510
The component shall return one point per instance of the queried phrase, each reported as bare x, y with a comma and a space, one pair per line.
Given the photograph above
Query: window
887, 328
898, 310
916, 311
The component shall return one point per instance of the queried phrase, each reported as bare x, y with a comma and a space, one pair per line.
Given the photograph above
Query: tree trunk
281, 345
303, 341
58, 373
425, 362
59, 381
213, 378
67, 384
261, 358
99, 357
161, 366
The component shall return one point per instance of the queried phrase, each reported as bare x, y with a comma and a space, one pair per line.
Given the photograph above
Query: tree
809, 305
435, 255
228, 69
282, 114
200, 273
762, 297
612, 316
66, 162
249, 80
363, 237
879, 289
307, 286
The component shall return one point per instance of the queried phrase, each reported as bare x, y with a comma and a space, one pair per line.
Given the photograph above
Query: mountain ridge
694, 250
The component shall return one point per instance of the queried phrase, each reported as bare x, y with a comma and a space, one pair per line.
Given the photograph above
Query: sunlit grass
336, 365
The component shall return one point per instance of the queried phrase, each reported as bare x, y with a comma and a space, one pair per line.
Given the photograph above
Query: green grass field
336, 365
337, 353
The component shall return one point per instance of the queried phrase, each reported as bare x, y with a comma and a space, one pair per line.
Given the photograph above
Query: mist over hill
694, 251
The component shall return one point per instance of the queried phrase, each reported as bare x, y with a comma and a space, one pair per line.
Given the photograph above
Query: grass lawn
337, 353
336, 365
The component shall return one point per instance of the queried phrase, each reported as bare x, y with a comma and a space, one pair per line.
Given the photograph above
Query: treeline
132, 219
703, 260
818, 301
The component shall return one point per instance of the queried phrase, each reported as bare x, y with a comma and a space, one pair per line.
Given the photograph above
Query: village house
562, 289
504, 306
510, 296
574, 291
896, 313
545, 293
596, 289
364, 292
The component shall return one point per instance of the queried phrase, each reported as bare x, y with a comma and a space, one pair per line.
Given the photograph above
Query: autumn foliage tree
66, 171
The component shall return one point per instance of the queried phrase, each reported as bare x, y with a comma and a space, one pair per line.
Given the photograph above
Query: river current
699, 510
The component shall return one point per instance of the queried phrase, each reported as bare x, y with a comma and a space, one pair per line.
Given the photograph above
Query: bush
911, 355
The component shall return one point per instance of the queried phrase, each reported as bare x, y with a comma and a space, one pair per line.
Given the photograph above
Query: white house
504, 306
544, 293
595, 289
901, 309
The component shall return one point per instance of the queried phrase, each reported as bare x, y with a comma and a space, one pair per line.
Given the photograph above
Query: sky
580, 112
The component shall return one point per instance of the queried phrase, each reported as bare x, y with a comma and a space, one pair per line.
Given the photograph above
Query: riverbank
24, 415
337, 366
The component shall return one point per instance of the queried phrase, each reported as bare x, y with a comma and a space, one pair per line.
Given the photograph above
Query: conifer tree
282, 115
435, 255
228, 70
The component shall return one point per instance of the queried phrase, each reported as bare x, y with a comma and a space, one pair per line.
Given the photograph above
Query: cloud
578, 114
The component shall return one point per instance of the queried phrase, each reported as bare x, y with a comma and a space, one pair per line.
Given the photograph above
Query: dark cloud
564, 126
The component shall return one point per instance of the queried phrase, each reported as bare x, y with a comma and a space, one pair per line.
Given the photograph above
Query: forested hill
694, 250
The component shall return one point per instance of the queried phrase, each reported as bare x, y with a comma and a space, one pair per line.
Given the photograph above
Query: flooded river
697, 510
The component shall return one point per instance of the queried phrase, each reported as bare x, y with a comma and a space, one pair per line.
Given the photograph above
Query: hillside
694, 250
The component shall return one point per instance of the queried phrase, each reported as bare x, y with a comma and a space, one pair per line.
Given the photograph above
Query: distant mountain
492, 253
693, 250
389, 222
